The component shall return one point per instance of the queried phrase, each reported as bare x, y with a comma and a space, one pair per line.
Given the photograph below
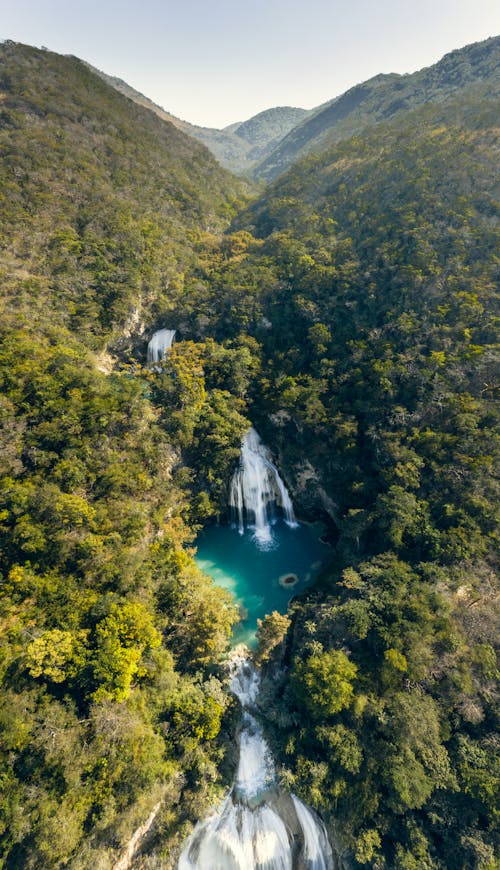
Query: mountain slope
375, 302
103, 201
264, 130
387, 97
237, 147
110, 638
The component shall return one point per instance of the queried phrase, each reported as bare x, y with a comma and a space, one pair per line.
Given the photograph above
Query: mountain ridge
238, 146
265, 145
382, 97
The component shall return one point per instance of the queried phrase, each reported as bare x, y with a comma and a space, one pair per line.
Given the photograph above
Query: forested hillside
110, 636
104, 204
378, 274
384, 98
349, 312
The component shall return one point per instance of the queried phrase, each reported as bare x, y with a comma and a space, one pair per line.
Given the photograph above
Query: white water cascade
256, 487
257, 827
159, 344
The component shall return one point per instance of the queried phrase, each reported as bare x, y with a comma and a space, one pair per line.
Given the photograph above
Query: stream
264, 558
258, 826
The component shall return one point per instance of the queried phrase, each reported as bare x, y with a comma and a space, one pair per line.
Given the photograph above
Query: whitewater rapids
257, 827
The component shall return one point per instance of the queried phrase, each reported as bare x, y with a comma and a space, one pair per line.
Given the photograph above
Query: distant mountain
384, 98
265, 130
240, 146
237, 147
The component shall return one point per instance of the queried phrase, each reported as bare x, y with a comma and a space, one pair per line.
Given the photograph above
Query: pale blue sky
220, 61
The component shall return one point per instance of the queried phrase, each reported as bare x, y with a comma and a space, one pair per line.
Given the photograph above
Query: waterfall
255, 487
257, 827
159, 344
317, 850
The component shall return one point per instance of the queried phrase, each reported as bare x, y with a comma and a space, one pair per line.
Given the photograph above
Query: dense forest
348, 311
471, 71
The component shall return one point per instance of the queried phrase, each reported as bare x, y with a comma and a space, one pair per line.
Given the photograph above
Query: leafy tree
122, 639
323, 682
56, 655
270, 633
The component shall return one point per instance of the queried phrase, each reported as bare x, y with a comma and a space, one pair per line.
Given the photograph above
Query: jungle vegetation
348, 311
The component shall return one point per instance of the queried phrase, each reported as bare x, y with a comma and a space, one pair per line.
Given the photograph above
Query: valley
158, 311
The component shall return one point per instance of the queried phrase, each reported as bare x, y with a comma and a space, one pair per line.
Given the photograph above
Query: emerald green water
252, 574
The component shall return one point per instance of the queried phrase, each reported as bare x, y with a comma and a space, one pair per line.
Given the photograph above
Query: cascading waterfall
159, 344
256, 487
257, 827
317, 850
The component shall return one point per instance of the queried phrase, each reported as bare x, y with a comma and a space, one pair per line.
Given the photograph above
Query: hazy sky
214, 62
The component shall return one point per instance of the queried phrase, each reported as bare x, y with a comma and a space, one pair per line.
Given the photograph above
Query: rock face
307, 488
134, 325
310, 493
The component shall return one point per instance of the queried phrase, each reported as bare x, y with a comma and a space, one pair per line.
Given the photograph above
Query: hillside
240, 146
110, 638
387, 97
265, 130
103, 202
237, 147
377, 276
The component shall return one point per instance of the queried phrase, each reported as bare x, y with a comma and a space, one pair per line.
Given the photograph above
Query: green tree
323, 682
122, 639
270, 633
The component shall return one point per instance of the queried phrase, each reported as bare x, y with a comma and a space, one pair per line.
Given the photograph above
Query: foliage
386, 99
55, 655
378, 393
349, 313
270, 633
202, 389
104, 205
92, 647
323, 682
